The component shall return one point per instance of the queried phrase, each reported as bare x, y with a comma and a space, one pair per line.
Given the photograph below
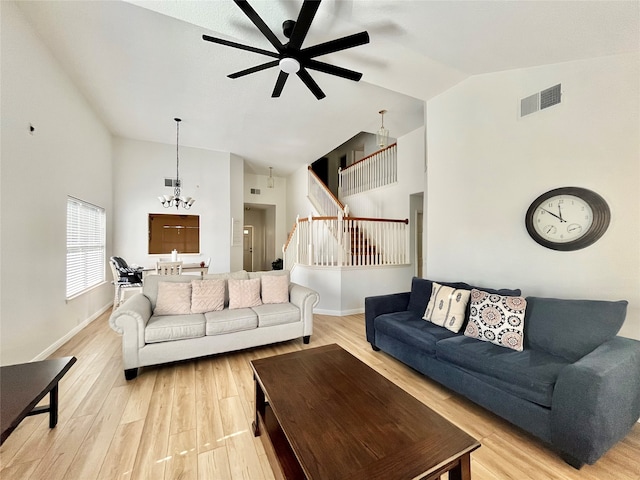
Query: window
86, 239
169, 232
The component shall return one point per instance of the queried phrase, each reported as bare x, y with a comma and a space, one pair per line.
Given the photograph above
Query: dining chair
121, 286
169, 268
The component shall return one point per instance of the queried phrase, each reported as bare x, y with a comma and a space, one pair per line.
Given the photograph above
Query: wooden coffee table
22, 386
327, 415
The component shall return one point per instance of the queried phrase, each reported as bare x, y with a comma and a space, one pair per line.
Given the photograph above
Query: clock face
563, 218
567, 218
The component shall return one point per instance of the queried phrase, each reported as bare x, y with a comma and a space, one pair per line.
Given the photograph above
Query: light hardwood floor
192, 420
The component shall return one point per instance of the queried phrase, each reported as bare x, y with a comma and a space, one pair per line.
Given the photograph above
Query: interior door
247, 247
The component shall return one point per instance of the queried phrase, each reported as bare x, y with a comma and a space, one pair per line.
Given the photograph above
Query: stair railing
376, 170
361, 242
322, 198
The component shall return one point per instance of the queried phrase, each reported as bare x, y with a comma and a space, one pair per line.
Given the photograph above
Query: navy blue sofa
575, 385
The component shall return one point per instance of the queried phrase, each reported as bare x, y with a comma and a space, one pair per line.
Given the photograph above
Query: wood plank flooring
192, 419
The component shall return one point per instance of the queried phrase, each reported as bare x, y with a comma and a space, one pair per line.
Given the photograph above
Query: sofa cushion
275, 288
411, 329
173, 299
244, 293
276, 314
227, 321
207, 295
166, 328
571, 328
446, 307
530, 374
421, 293
498, 319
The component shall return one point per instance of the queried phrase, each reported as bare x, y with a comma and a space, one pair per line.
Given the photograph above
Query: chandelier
382, 137
175, 199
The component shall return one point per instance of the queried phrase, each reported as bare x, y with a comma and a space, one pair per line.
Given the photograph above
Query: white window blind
86, 238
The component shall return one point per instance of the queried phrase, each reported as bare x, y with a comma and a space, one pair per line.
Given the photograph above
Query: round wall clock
567, 218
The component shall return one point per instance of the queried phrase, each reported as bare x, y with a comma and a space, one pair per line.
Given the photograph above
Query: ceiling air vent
170, 182
255, 191
538, 101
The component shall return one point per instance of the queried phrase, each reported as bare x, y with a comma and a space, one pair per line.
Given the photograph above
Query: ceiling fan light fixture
289, 65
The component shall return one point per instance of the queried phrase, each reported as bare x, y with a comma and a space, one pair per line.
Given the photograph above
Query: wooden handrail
293, 230
369, 156
340, 204
368, 219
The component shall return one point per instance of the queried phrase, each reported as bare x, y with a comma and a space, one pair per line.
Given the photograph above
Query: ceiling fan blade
258, 22
255, 69
335, 45
240, 46
305, 17
310, 83
282, 78
333, 70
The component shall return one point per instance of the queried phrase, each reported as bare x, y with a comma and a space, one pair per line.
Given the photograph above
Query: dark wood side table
23, 385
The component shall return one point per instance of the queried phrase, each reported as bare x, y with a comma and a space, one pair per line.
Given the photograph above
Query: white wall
485, 167
297, 200
209, 177
68, 154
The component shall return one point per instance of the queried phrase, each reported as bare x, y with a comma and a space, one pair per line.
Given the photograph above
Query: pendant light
175, 199
270, 183
382, 136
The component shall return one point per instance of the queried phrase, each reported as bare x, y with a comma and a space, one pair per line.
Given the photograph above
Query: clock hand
553, 215
560, 213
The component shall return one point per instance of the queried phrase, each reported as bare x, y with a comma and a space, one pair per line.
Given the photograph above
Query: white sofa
149, 339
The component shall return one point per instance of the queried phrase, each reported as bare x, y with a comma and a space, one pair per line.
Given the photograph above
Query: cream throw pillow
497, 319
244, 293
447, 306
275, 288
174, 298
207, 295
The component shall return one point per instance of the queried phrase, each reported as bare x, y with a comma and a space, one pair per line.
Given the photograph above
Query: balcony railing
376, 170
347, 241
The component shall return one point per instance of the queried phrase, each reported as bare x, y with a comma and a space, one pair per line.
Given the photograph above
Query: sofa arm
130, 320
596, 400
379, 305
305, 299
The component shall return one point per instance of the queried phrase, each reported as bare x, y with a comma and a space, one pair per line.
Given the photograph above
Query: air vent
255, 191
538, 101
550, 97
171, 182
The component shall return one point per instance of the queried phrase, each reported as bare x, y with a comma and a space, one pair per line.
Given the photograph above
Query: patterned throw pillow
207, 295
497, 319
275, 288
174, 298
244, 293
446, 307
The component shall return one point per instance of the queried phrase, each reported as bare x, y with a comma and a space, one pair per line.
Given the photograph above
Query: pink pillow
207, 295
275, 288
174, 298
244, 293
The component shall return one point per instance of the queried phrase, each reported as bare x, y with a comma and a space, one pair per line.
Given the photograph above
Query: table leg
462, 471
260, 408
53, 406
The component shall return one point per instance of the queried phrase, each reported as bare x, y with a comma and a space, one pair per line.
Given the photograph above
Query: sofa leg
306, 339
131, 373
375, 349
574, 462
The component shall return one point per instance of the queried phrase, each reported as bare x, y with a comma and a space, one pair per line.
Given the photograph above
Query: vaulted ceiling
142, 63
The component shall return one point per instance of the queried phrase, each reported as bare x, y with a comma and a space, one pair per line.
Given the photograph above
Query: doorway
247, 248
416, 227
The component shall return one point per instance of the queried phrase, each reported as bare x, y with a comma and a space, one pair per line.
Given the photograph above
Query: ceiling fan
291, 57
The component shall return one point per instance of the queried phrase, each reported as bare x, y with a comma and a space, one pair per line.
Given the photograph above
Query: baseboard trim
72, 333
338, 313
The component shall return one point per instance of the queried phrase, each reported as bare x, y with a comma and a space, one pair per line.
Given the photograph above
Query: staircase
337, 239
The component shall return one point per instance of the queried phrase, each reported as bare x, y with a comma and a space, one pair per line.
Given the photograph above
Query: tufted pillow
497, 319
207, 295
447, 306
173, 298
275, 288
244, 293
